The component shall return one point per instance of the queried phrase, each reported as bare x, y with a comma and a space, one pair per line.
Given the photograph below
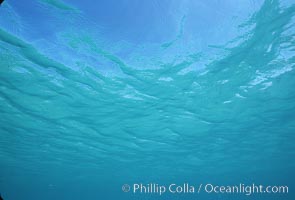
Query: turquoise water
97, 95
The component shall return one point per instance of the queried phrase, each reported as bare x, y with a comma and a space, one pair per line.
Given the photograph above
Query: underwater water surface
98, 94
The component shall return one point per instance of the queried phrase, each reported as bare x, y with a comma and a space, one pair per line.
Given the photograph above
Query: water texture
94, 95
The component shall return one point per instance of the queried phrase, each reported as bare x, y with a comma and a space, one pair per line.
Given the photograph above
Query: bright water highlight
95, 95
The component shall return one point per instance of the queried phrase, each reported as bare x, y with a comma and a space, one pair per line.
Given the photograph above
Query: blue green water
94, 95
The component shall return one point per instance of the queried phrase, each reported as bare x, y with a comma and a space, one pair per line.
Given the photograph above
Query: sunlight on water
86, 109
